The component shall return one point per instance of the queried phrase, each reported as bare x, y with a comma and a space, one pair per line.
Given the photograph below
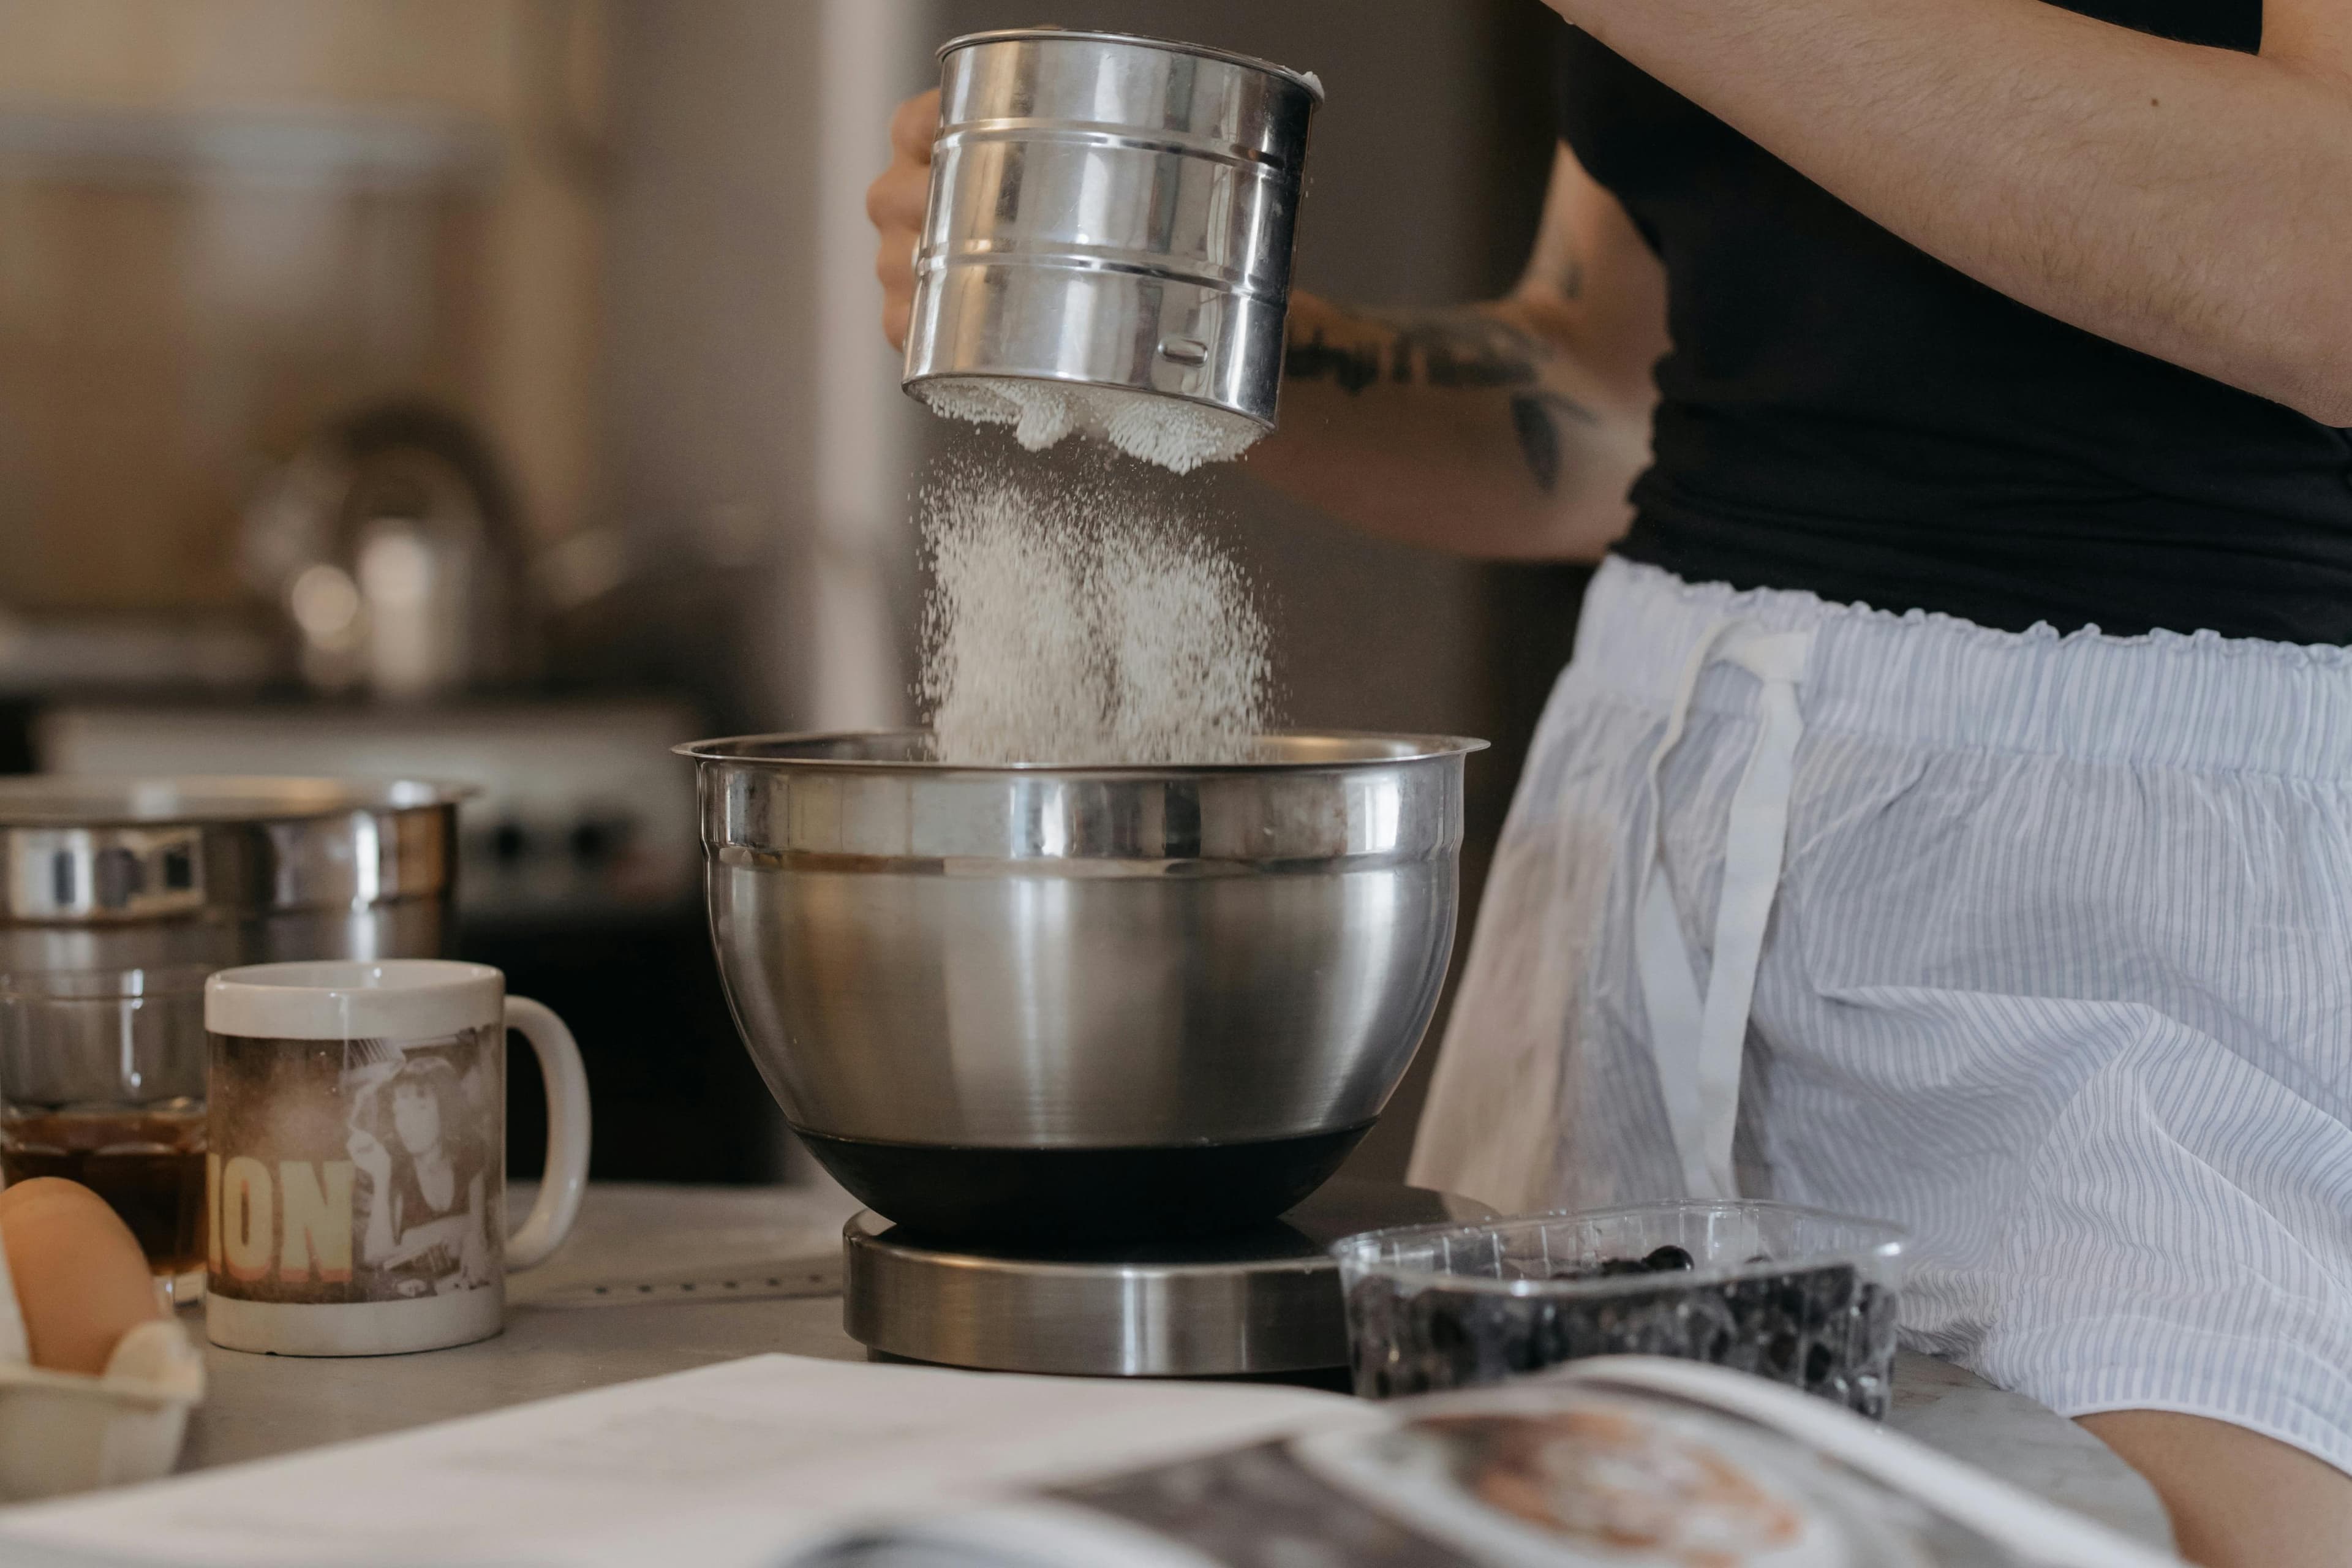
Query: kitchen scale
1261, 1303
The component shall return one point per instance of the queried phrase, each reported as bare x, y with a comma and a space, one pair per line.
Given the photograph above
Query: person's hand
896, 201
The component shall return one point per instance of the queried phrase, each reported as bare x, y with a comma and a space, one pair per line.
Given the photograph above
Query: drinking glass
102, 1082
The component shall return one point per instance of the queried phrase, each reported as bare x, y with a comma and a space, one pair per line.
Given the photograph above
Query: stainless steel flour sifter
1110, 211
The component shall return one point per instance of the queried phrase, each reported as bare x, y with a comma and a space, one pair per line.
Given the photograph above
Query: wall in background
221, 221
754, 407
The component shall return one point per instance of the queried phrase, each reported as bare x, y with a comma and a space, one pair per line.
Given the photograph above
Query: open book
781, 1462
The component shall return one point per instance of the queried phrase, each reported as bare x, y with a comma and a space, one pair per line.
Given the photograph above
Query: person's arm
1510, 430
2237, 1498
2192, 203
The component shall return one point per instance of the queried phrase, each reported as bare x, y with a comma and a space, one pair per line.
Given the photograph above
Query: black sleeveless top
1844, 414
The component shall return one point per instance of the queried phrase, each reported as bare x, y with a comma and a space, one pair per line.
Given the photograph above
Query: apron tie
1697, 1042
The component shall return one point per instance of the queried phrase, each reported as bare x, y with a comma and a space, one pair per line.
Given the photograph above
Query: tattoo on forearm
1455, 350
1535, 419
1463, 347
1353, 368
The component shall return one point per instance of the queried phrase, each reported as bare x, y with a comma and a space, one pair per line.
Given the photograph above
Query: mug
356, 1174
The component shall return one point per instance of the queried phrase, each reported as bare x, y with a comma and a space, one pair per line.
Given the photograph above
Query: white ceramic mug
355, 1188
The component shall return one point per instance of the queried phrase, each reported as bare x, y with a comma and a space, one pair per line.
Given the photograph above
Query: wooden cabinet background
223, 221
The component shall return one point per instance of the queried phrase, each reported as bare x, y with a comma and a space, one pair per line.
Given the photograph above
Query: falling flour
1079, 629
1170, 431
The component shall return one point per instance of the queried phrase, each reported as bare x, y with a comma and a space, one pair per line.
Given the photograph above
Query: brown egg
80, 1277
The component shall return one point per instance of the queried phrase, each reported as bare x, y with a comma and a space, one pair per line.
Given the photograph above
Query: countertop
762, 1265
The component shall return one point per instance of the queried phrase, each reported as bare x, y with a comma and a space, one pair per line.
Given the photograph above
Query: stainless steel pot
1113, 210
122, 874
1081, 1001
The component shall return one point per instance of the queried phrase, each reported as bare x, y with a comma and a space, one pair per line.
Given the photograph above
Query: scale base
1261, 1303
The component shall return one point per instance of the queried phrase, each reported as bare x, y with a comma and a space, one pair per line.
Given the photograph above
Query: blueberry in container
1795, 1294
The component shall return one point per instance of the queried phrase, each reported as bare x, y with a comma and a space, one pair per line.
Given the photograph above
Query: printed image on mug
357, 1171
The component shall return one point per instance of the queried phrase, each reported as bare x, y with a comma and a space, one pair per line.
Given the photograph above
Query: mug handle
566, 1176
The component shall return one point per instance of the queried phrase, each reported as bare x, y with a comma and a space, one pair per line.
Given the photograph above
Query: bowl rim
127, 982
1414, 748
103, 800
1892, 1242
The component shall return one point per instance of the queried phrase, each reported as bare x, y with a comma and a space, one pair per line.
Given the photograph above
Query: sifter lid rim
1168, 45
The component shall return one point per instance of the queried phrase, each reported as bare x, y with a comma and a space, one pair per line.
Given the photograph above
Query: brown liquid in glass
149, 1164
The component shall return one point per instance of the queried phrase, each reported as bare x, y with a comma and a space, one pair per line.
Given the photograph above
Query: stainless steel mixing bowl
1081, 1002
116, 874
1113, 210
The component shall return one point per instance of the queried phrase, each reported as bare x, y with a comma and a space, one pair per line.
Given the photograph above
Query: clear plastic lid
1557, 1254
1797, 1296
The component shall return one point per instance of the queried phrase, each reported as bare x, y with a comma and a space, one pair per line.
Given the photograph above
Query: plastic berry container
1799, 1296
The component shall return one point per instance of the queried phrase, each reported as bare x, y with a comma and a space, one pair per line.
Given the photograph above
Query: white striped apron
2039, 945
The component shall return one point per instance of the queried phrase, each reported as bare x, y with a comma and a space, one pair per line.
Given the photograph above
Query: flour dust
1077, 626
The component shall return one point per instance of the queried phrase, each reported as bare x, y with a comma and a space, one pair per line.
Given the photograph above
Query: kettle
391, 544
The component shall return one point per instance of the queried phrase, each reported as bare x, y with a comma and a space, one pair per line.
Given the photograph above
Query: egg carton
67, 1431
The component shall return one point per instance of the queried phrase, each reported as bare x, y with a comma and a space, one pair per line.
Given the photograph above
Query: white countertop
560, 1338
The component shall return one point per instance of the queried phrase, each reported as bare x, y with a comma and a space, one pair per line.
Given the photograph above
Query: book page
733, 1464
